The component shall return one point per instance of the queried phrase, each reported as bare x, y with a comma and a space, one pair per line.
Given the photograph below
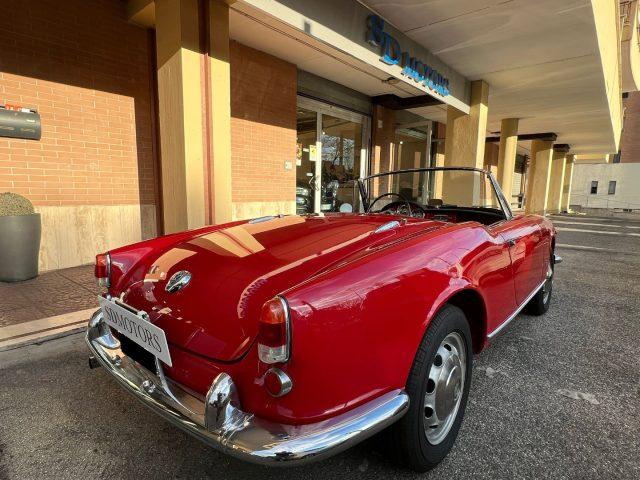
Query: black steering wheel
390, 194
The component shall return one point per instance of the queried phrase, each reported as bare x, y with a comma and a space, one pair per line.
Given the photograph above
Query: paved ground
59, 419
65, 291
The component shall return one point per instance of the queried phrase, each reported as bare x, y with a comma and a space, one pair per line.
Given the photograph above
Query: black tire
409, 439
539, 304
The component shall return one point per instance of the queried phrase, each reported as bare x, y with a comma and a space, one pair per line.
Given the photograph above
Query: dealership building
147, 117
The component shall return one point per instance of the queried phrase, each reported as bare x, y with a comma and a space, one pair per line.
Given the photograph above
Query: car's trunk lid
235, 270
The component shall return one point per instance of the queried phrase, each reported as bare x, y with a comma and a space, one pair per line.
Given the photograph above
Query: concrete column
507, 154
538, 177
566, 184
466, 134
464, 143
220, 107
180, 114
554, 197
439, 162
383, 147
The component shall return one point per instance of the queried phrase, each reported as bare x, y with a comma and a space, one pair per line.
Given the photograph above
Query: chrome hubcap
444, 388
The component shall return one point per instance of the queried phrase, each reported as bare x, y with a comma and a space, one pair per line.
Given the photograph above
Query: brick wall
630, 142
263, 126
86, 70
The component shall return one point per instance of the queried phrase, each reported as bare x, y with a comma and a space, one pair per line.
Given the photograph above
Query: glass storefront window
332, 146
341, 150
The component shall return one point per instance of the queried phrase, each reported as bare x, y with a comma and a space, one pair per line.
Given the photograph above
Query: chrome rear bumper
219, 421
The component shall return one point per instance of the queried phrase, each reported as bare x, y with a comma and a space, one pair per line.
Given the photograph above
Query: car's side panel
489, 270
525, 235
356, 329
545, 247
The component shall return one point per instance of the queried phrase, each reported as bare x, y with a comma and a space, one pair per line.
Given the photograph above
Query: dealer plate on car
134, 327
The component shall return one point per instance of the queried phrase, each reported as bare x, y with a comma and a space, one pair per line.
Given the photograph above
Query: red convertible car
286, 339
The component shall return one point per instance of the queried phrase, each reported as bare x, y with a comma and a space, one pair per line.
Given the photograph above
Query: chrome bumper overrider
218, 420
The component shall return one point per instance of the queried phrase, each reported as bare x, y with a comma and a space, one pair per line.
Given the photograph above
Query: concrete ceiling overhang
258, 29
540, 58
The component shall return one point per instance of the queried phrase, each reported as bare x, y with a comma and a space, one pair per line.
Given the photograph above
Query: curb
44, 329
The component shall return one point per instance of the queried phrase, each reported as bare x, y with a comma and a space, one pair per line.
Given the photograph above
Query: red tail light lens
274, 332
103, 269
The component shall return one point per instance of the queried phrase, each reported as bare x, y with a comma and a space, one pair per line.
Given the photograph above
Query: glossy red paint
359, 301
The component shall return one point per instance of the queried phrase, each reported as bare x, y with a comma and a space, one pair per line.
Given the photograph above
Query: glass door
330, 158
341, 161
306, 154
412, 149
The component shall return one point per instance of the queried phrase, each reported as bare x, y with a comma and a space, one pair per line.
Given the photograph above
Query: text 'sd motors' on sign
412, 67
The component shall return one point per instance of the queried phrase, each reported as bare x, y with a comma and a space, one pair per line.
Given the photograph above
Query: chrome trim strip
242, 434
287, 316
504, 203
518, 310
266, 218
387, 226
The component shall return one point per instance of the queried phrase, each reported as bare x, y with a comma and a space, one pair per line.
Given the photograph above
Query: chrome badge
178, 281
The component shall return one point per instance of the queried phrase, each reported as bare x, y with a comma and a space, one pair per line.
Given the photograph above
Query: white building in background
611, 186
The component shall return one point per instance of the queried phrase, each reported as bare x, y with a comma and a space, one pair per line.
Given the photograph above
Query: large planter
19, 247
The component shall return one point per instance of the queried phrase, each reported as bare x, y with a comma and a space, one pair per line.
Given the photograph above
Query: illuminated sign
412, 67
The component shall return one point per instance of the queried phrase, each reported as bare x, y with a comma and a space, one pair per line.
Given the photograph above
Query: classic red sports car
286, 339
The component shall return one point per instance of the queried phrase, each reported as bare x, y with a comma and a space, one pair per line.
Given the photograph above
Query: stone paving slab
50, 294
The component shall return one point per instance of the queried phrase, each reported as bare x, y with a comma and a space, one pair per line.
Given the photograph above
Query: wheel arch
472, 304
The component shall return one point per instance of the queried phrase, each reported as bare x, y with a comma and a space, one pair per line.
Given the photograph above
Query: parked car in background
304, 198
286, 339
329, 201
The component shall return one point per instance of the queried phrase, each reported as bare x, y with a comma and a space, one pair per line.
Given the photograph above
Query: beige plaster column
464, 144
566, 184
538, 177
554, 197
180, 114
507, 154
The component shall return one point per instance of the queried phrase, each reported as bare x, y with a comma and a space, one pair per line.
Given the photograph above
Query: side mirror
346, 208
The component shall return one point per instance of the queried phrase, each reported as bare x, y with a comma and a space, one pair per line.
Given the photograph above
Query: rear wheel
438, 387
540, 302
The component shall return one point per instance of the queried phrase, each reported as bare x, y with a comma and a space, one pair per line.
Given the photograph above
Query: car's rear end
201, 327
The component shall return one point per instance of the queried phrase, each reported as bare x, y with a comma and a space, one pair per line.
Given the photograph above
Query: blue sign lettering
412, 67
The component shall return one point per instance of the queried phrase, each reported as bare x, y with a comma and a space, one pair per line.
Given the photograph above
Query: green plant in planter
19, 238
14, 204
